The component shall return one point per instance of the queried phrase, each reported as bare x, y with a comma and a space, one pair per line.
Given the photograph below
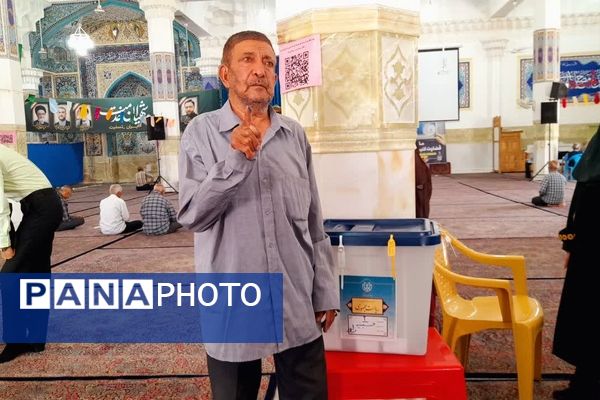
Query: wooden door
511, 153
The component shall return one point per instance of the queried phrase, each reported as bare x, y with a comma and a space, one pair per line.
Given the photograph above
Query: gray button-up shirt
260, 215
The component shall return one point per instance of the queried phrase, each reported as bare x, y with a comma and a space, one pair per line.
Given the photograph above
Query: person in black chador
423, 187
575, 341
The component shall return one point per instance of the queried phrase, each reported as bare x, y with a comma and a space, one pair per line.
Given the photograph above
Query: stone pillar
361, 122
12, 119
160, 15
495, 51
209, 61
546, 69
29, 13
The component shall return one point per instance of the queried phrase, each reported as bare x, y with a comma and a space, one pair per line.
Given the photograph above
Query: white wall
471, 19
581, 39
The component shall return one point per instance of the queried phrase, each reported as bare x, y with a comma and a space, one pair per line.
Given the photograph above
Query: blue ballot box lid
376, 232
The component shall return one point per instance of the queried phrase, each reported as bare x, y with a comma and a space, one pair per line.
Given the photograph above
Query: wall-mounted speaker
559, 90
549, 112
155, 128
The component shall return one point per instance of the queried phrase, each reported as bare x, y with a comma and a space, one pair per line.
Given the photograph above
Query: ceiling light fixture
80, 41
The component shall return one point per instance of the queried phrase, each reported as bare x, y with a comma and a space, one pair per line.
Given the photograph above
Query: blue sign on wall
61, 163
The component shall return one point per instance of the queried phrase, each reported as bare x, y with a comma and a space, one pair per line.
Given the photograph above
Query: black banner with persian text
109, 115
87, 115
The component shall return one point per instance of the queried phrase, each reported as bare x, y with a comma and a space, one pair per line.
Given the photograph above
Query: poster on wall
431, 141
300, 63
581, 75
87, 115
192, 104
464, 84
8, 138
47, 115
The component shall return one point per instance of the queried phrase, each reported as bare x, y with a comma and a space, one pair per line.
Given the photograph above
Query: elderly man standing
248, 190
26, 250
114, 216
68, 221
158, 214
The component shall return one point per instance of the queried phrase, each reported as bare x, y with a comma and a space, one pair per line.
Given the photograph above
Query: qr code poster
300, 63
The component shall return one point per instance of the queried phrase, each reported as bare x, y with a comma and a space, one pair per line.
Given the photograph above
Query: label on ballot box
367, 326
385, 271
367, 310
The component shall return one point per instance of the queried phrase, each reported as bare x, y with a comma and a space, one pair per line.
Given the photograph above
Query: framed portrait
83, 116
464, 84
62, 117
188, 110
40, 117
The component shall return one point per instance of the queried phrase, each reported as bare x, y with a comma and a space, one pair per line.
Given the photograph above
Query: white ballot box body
385, 270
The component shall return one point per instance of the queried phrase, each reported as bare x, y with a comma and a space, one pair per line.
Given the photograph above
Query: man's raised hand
246, 137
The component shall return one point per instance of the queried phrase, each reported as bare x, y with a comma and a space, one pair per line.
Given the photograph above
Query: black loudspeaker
549, 112
559, 90
156, 131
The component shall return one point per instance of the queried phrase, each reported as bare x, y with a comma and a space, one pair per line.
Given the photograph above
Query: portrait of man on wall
83, 117
62, 118
39, 116
188, 110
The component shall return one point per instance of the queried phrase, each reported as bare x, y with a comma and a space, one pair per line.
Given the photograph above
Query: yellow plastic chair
510, 308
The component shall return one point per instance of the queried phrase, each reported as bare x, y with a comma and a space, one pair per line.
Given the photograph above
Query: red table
435, 376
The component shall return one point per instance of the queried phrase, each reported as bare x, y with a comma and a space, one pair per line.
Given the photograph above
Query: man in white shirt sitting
114, 217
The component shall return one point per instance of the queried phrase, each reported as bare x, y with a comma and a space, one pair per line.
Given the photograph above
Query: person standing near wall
26, 250
575, 341
423, 187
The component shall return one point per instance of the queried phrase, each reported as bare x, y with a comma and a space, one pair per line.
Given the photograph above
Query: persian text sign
8, 137
88, 115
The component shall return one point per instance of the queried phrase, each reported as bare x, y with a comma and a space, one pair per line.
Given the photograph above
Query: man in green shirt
26, 250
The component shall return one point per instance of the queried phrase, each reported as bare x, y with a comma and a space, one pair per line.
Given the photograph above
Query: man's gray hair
115, 188
240, 37
66, 187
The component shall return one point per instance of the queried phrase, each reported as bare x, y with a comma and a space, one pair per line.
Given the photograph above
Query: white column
12, 119
362, 135
286, 9
160, 15
29, 12
495, 50
546, 69
210, 59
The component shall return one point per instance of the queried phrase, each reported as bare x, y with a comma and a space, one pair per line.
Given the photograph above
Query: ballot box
384, 270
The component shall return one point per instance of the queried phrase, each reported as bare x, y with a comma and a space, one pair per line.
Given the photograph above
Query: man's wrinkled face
250, 74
